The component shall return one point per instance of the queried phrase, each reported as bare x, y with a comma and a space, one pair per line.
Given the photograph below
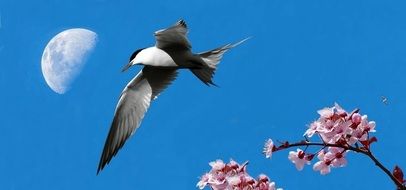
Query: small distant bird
171, 52
384, 100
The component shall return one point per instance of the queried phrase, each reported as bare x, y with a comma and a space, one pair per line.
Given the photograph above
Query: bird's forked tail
212, 59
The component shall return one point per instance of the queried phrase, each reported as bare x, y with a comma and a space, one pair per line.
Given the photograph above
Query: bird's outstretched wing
134, 102
173, 36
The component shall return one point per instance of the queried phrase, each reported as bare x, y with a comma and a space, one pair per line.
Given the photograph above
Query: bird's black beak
127, 66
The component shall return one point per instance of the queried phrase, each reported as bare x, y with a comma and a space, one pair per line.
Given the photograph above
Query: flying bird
161, 62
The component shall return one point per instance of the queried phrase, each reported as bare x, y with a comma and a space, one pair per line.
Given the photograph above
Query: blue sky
303, 56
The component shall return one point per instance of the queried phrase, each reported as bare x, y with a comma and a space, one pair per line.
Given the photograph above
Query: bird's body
156, 57
161, 63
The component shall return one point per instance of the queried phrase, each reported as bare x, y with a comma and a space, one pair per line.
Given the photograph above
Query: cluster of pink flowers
335, 125
338, 130
233, 176
334, 157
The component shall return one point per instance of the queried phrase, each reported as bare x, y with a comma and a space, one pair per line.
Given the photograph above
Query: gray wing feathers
132, 106
159, 78
173, 36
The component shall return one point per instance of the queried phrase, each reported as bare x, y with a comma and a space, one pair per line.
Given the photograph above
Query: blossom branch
361, 150
338, 132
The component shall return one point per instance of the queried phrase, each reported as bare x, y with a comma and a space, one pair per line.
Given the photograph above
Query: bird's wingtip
245, 39
214, 84
99, 168
182, 22
101, 165
240, 42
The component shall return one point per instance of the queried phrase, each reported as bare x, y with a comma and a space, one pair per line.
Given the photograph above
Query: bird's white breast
154, 56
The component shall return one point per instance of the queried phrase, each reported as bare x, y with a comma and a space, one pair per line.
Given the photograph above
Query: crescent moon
64, 57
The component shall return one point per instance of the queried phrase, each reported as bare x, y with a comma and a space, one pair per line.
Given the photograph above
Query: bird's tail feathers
212, 59
205, 75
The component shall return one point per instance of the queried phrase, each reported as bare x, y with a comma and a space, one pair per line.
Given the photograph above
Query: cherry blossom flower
269, 148
323, 165
298, 158
356, 118
335, 124
204, 180
233, 176
336, 156
326, 112
271, 186
368, 126
217, 165
313, 128
264, 183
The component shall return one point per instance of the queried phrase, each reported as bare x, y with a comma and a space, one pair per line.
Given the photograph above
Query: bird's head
134, 59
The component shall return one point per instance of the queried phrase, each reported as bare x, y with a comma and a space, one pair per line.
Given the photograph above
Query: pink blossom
355, 135
298, 158
326, 112
234, 180
268, 149
271, 186
323, 165
263, 182
233, 176
337, 131
360, 132
335, 124
218, 181
313, 127
371, 126
339, 110
204, 180
337, 156
368, 126
217, 165
356, 118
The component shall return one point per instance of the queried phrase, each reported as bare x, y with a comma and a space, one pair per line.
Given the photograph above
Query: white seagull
171, 52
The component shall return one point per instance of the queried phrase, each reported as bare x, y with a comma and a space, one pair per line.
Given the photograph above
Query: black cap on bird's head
135, 54
131, 58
